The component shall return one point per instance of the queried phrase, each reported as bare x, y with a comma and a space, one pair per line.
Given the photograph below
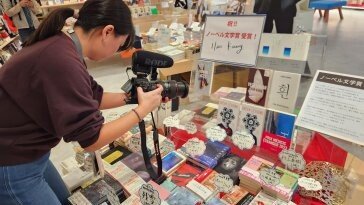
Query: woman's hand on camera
148, 101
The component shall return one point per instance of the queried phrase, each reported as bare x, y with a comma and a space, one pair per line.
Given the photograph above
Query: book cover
246, 200
199, 189
251, 120
207, 111
209, 181
278, 130
183, 196
116, 154
215, 201
204, 71
163, 193
96, 192
284, 91
231, 165
172, 161
263, 198
237, 193
184, 174
228, 114
169, 185
258, 86
135, 162
214, 152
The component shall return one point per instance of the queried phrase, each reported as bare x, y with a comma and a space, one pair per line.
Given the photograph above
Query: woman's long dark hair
94, 14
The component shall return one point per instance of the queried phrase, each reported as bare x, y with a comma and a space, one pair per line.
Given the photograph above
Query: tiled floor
345, 54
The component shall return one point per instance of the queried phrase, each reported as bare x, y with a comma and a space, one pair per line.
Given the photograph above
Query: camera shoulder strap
157, 177
77, 43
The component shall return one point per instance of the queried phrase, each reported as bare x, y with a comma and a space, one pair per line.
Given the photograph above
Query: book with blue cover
214, 152
183, 196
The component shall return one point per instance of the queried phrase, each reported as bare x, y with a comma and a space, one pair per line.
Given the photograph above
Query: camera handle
157, 177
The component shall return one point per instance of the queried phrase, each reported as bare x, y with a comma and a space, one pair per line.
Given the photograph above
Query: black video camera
145, 63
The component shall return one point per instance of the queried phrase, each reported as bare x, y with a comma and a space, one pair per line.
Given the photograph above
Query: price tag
269, 176
292, 159
191, 128
243, 140
111, 195
173, 26
223, 183
148, 195
309, 184
171, 121
167, 146
134, 143
216, 133
195, 147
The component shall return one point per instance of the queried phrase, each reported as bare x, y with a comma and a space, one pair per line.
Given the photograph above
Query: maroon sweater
46, 94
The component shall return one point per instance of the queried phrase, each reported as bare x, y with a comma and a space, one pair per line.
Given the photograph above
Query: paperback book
214, 152
228, 114
251, 120
258, 86
278, 131
284, 91
184, 174
231, 165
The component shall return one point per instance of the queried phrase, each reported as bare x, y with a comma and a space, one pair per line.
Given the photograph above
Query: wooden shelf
7, 42
63, 5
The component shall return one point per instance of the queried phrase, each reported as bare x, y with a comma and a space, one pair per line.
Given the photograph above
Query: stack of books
250, 179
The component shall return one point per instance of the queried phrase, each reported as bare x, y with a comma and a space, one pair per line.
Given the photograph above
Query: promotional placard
232, 39
203, 77
148, 195
334, 106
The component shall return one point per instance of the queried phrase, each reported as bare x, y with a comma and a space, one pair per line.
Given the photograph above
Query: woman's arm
12, 10
113, 100
112, 130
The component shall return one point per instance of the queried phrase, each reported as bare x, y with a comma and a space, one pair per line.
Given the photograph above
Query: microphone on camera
150, 59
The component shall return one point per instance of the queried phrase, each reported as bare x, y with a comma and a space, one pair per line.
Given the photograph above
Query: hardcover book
284, 91
171, 162
237, 193
278, 131
183, 196
135, 162
231, 165
184, 174
199, 189
203, 77
228, 114
214, 152
251, 120
258, 86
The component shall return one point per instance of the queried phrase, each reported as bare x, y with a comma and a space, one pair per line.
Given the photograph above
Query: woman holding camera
46, 94
23, 13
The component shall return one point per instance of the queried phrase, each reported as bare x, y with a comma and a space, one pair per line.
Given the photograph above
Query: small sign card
148, 195
243, 140
292, 160
223, 183
195, 147
216, 133
269, 176
309, 184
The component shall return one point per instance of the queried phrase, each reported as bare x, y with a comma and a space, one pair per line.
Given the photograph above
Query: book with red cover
184, 174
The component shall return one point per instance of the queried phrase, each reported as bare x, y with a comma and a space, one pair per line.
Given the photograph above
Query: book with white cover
284, 91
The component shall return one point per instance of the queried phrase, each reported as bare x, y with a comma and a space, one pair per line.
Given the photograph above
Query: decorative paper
331, 178
309, 184
171, 121
223, 183
269, 176
195, 147
292, 159
243, 140
216, 133
148, 195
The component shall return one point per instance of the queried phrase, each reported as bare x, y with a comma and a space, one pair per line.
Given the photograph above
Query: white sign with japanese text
232, 39
309, 184
334, 106
292, 160
269, 176
195, 147
224, 183
216, 133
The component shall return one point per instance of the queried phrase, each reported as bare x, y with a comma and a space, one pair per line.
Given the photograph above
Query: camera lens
173, 89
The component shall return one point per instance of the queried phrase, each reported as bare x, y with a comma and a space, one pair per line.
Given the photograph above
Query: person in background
23, 13
47, 94
282, 12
